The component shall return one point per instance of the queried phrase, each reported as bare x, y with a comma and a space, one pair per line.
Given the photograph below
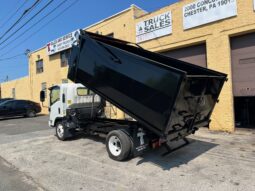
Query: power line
20, 18
43, 17
27, 21
36, 32
12, 57
12, 15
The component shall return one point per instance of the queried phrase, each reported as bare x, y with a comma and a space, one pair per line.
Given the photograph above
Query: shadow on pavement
174, 159
177, 158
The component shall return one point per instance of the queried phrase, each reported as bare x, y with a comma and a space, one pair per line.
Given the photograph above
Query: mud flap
139, 140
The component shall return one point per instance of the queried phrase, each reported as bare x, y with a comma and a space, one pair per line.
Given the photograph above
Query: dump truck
167, 99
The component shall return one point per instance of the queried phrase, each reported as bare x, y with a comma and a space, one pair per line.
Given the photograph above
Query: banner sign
154, 27
206, 11
62, 43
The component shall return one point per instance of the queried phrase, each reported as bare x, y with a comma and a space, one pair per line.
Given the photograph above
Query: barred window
13, 93
39, 66
64, 81
64, 57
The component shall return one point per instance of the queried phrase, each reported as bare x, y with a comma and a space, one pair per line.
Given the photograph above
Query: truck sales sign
154, 27
206, 11
62, 43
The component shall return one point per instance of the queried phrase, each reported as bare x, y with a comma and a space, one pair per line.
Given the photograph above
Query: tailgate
194, 105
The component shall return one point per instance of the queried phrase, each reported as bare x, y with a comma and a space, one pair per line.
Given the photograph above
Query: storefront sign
154, 27
62, 43
206, 11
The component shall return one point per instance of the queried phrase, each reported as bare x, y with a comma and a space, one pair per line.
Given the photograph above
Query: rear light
155, 143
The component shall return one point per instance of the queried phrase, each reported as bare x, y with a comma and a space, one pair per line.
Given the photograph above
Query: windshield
54, 95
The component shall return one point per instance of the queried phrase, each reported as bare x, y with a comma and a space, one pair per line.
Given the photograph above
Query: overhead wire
35, 24
27, 11
12, 57
13, 14
44, 7
38, 30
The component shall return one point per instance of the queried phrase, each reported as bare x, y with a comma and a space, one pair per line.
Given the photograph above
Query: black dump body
169, 97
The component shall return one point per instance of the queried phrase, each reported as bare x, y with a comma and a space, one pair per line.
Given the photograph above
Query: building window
13, 93
64, 81
64, 56
39, 66
44, 88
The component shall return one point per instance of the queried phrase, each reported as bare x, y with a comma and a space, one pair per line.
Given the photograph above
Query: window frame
52, 89
40, 69
64, 62
44, 88
81, 88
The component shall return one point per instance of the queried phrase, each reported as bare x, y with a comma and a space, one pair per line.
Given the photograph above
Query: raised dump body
170, 97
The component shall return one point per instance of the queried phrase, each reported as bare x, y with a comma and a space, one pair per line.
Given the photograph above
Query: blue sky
82, 13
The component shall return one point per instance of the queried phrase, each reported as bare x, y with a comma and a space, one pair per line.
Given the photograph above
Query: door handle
58, 110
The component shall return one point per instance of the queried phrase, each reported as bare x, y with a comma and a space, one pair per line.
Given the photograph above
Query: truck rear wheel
118, 145
60, 131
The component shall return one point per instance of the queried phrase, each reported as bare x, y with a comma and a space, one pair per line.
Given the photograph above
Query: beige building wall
21, 87
52, 74
216, 35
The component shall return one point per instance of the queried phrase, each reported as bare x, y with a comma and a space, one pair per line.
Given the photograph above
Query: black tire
60, 131
120, 150
31, 113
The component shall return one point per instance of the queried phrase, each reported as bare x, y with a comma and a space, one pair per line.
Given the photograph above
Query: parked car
5, 99
24, 108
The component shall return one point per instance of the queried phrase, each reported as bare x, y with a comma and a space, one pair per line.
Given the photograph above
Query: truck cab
69, 96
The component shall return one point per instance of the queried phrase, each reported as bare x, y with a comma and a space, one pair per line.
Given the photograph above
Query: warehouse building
217, 34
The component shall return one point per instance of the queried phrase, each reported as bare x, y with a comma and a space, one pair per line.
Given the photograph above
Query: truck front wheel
118, 145
60, 131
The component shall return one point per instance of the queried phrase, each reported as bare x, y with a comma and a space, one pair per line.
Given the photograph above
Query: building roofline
36, 50
1, 83
112, 16
101, 21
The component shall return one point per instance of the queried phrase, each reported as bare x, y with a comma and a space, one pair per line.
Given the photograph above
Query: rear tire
31, 113
61, 131
118, 145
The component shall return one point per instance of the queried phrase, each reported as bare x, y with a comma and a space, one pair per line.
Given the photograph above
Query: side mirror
42, 96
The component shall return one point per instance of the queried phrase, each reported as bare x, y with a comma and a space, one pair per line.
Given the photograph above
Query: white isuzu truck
67, 96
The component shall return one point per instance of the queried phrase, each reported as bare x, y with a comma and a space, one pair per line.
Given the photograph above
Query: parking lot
31, 158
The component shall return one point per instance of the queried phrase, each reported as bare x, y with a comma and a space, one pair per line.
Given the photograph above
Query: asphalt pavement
31, 158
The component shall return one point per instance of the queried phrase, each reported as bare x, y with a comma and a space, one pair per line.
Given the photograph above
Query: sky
69, 16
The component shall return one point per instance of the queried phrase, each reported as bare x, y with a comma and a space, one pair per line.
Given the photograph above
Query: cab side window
82, 91
54, 95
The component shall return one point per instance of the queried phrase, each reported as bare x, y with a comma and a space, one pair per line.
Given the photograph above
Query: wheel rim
114, 145
60, 130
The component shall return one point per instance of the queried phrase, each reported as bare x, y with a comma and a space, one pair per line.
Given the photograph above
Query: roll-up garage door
193, 54
243, 65
243, 77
